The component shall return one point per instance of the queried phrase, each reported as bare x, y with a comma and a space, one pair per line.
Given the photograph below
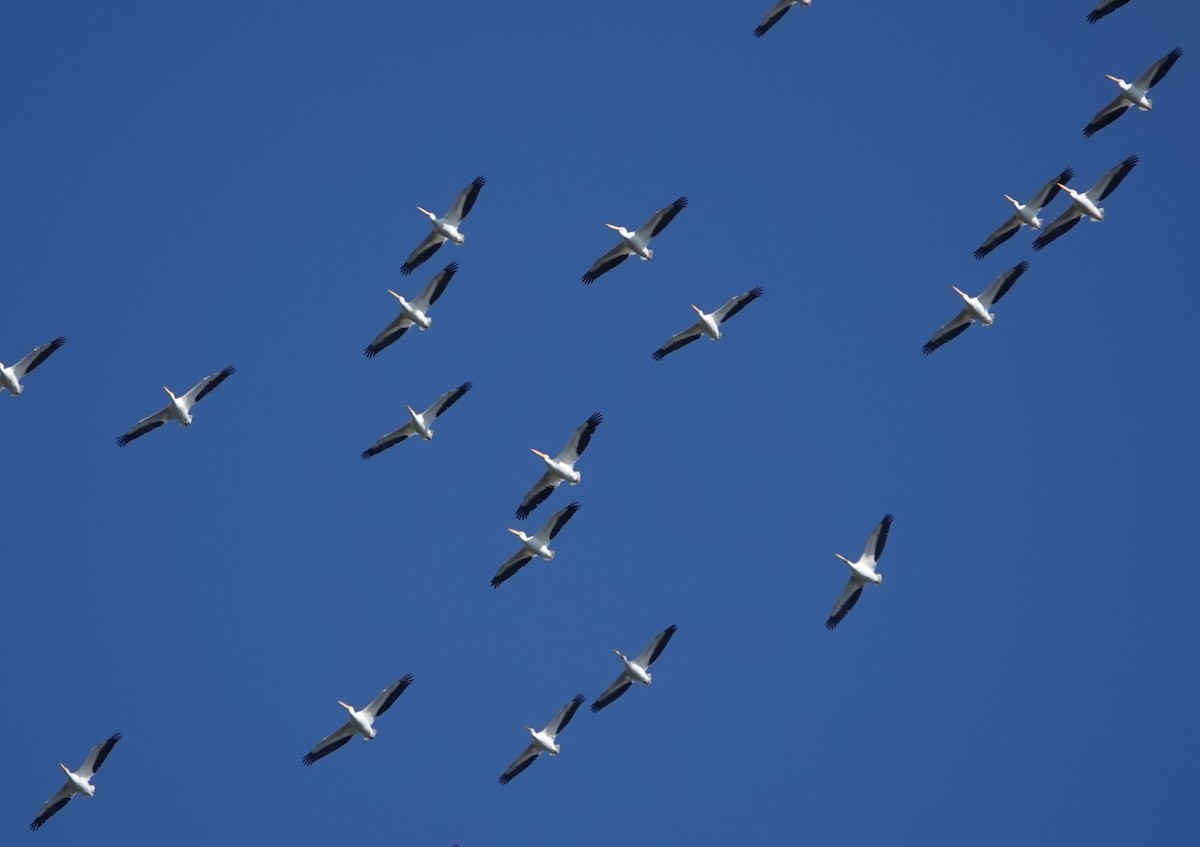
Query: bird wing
51, 806
1004, 232
846, 601
537, 495
777, 11
1050, 190
607, 262
445, 402
390, 440
434, 288
388, 336
949, 331
559, 519
612, 692
520, 763
738, 303
679, 339
201, 389
97, 755
424, 250
1154, 74
560, 721
145, 425
580, 439
1105, 7
464, 201
37, 356
388, 696
659, 220
515, 562
330, 743
654, 649
877, 539
1058, 227
1108, 183
1107, 115
1001, 284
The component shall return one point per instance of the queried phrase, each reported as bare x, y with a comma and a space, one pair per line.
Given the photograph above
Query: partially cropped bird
11, 377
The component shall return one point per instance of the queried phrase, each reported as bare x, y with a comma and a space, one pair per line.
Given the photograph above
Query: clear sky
188, 186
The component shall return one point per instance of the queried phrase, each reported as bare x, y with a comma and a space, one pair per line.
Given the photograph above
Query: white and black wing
37, 356
97, 755
736, 304
388, 696
654, 649
1154, 74
607, 262
959, 324
612, 692
435, 287
465, 201
1004, 232
679, 339
537, 495
1119, 106
1108, 183
520, 763
424, 250
660, 219
580, 439
1050, 190
559, 519
145, 425
877, 539
560, 721
330, 743
1058, 227
205, 386
777, 11
445, 402
846, 601
51, 806
1104, 7
1001, 285
515, 562
390, 334
390, 440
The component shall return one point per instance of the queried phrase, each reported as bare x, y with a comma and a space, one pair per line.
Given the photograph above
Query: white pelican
445, 228
635, 243
78, 781
561, 468
1024, 215
414, 313
636, 670
362, 722
1085, 203
975, 308
535, 545
10, 378
1104, 7
421, 424
709, 324
777, 11
543, 742
1134, 93
861, 572
179, 408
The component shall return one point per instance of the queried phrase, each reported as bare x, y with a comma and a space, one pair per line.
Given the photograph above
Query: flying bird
861, 572
709, 324
975, 308
1136, 93
1104, 7
636, 670
421, 424
10, 378
777, 11
543, 741
1085, 203
362, 722
635, 243
78, 781
180, 408
445, 228
1025, 215
561, 468
415, 313
535, 545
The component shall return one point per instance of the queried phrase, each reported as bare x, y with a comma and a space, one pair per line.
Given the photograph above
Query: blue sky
186, 188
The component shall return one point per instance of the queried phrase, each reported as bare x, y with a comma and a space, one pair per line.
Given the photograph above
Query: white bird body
561, 468
178, 408
82, 784
543, 740
10, 377
414, 314
537, 544
420, 423
708, 323
975, 308
636, 669
546, 742
1085, 203
862, 571
361, 721
1027, 213
78, 781
1131, 92
1024, 214
445, 228
364, 723
635, 243
1136, 93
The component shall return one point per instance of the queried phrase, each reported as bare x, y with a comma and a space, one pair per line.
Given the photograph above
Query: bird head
345, 706
539, 453
397, 296
959, 291
1016, 205
1117, 80
843, 558
169, 394
427, 213
697, 310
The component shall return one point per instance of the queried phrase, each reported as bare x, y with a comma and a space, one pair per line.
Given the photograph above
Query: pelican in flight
861, 572
362, 722
10, 378
445, 228
544, 741
1136, 93
636, 243
1104, 7
180, 408
1086, 203
561, 468
1024, 215
535, 545
777, 11
975, 308
421, 424
636, 670
415, 313
709, 324
78, 781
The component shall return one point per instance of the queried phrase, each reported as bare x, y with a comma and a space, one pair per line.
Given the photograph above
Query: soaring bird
535, 545
543, 741
1136, 93
10, 378
78, 781
445, 228
636, 243
636, 670
1085, 202
777, 11
362, 722
415, 313
861, 572
1104, 7
561, 468
1024, 215
421, 424
709, 324
975, 308
180, 408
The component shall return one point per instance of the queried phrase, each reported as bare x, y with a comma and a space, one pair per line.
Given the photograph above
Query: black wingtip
407, 268
479, 181
406, 679
980, 253
595, 419
308, 759
451, 268
681, 203
831, 624
369, 352
928, 348
366, 454
1021, 266
657, 355
587, 278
